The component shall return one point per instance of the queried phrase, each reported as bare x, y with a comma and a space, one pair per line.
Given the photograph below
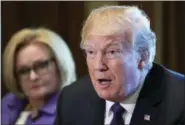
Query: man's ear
141, 64
144, 57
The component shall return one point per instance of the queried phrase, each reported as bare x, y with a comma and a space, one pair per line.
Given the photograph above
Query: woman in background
37, 63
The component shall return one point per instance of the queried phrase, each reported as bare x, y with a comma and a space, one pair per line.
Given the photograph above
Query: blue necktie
118, 112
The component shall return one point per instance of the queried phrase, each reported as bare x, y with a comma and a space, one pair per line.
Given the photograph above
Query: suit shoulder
176, 75
175, 87
81, 88
81, 84
174, 78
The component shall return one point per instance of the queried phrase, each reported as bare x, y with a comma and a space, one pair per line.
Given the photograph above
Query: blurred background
67, 17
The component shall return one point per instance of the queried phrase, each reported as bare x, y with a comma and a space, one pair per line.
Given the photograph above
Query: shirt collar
128, 104
133, 98
49, 107
15, 102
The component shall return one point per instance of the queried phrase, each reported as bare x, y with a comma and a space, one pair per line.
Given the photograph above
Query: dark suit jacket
162, 97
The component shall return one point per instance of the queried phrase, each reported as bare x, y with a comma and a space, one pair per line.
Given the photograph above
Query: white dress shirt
128, 104
22, 118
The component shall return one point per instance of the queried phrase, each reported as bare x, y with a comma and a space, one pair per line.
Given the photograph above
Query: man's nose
33, 75
100, 63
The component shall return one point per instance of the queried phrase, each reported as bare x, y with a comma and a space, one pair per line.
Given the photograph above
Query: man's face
113, 67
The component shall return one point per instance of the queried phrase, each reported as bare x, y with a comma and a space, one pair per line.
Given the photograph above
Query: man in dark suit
124, 86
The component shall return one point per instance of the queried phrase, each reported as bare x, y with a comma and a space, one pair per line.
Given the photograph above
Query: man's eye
90, 52
113, 51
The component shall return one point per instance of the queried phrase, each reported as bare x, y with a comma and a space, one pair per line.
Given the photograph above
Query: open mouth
104, 82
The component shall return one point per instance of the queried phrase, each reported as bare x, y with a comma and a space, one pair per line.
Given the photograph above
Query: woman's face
36, 71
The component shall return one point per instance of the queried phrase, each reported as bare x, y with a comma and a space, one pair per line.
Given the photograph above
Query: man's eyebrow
82, 46
113, 44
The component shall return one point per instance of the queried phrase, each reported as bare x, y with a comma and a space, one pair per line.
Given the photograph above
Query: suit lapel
146, 111
95, 106
98, 111
89, 114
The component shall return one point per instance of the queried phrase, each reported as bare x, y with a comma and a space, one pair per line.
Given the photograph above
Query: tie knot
117, 108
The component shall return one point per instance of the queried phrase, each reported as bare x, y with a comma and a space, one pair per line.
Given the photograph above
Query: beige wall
89, 5
158, 18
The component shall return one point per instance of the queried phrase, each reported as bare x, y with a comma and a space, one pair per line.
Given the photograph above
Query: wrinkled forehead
109, 28
105, 42
100, 42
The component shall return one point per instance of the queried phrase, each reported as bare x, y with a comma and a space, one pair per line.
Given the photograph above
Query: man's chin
110, 97
104, 95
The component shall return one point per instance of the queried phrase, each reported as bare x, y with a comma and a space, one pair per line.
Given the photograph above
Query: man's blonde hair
128, 21
56, 44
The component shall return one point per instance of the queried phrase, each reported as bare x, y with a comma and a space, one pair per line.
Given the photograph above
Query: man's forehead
99, 43
114, 37
104, 40
102, 44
